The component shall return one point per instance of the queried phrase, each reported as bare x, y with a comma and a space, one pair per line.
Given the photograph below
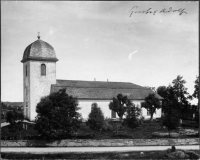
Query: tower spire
38, 35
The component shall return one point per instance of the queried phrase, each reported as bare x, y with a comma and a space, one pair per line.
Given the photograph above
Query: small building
39, 80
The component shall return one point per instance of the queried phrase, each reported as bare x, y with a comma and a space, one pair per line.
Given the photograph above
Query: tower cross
38, 35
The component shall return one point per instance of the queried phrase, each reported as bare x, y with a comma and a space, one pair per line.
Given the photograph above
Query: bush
133, 118
171, 120
107, 126
95, 118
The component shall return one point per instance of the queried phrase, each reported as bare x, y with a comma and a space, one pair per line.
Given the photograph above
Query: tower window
26, 114
113, 114
26, 70
43, 70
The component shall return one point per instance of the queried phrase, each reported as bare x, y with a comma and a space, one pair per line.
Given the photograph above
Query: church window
113, 114
26, 68
148, 112
43, 70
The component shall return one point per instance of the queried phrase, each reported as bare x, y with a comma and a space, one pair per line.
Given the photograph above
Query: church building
39, 80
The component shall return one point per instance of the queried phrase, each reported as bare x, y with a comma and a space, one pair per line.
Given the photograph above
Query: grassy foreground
102, 156
144, 131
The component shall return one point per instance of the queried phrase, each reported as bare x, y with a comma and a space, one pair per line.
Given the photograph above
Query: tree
171, 119
179, 91
133, 116
119, 105
95, 118
196, 86
57, 115
197, 117
14, 118
3, 106
151, 103
196, 95
152, 88
163, 92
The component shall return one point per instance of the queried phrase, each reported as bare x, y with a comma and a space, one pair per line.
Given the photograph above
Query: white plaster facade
37, 85
85, 106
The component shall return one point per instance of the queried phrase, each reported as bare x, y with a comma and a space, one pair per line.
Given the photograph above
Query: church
39, 80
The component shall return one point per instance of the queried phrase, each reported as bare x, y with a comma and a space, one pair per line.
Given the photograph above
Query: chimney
107, 80
94, 79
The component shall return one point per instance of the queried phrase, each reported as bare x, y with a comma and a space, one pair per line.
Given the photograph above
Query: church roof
40, 51
97, 90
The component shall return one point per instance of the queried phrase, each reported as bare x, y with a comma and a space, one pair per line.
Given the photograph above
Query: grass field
144, 131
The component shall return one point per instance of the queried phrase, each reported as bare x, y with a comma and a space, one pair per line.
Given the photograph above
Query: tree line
57, 113
176, 97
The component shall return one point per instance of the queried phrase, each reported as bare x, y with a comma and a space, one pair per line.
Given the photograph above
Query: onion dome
39, 51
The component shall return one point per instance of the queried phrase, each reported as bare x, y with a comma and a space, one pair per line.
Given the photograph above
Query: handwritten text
153, 12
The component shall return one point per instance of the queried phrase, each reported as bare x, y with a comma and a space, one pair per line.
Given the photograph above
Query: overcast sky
103, 40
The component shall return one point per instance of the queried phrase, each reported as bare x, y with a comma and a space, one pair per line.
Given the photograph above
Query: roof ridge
93, 81
55, 85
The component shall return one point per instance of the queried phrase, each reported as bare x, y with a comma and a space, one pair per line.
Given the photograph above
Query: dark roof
39, 50
102, 90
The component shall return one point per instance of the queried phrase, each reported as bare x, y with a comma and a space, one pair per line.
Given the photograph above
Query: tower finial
38, 35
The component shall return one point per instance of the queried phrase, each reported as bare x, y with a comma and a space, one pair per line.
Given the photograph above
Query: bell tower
39, 73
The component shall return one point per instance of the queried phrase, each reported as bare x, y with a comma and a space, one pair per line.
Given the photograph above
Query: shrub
107, 126
133, 117
95, 118
171, 119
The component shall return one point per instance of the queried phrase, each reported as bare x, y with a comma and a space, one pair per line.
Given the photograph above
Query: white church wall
155, 115
85, 106
26, 88
144, 111
40, 85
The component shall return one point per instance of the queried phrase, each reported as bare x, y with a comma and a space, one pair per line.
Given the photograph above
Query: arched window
43, 70
113, 114
148, 112
26, 70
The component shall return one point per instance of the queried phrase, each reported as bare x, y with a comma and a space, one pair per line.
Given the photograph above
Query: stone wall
100, 143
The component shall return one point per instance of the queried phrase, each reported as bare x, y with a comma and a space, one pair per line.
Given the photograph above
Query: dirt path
51, 150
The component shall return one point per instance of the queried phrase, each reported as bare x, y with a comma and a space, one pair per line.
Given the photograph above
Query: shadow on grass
112, 155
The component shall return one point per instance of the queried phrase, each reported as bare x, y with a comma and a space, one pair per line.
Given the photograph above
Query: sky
146, 43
